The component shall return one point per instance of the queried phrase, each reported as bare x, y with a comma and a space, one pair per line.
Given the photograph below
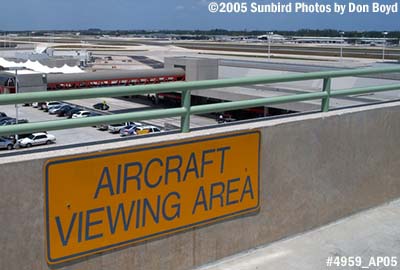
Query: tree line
216, 32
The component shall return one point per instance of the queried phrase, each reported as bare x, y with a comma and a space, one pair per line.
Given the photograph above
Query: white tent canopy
36, 66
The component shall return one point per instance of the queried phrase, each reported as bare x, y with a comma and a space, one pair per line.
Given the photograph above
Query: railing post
185, 119
326, 88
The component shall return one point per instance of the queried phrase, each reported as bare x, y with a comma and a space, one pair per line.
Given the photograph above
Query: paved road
148, 61
303, 68
363, 52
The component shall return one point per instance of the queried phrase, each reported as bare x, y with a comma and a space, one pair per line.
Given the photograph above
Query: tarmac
371, 239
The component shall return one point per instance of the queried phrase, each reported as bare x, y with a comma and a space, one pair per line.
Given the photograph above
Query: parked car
5, 119
146, 130
225, 118
116, 128
52, 109
127, 131
39, 105
64, 110
51, 106
55, 109
82, 114
6, 143
37, 139
47, 105
102, 127
72, 112
101, 106
138, 130
13, 121
20, 136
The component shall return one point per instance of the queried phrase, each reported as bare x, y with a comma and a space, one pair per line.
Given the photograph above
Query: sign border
135, 149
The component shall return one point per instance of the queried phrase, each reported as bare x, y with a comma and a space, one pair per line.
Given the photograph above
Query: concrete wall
196, 69
315, 169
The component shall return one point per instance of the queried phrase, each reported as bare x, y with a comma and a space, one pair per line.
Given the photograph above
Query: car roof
39, 133
145, 127
130, 126
130, 123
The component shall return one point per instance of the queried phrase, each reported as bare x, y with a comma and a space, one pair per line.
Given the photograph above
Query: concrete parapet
315, 169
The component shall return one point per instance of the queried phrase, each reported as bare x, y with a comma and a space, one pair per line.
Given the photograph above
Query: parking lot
91, 134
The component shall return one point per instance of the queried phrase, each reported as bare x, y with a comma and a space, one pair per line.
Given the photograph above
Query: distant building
274, 38
319, 40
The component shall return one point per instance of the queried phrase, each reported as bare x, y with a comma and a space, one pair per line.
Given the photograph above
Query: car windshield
117, 125
31, 136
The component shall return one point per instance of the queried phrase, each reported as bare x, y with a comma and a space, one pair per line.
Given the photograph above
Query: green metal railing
185, 88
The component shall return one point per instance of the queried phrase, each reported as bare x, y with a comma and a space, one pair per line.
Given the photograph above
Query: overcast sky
176, 14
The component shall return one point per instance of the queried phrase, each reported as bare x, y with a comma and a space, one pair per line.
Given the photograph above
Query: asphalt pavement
91, 134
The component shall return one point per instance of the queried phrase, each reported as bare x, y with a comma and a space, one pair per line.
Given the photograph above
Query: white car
81, 114
47, 106
37, 139
116, 128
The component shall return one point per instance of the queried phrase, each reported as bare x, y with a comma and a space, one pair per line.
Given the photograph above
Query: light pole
16, 105
16, 92
384, 45
269, 44
341, 46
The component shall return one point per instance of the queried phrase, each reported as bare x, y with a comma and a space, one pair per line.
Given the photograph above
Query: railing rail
185, 88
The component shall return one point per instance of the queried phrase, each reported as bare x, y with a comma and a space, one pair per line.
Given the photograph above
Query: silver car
6, 143
55, 108
47, 106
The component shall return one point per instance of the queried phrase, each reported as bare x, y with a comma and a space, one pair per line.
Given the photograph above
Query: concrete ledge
367, 235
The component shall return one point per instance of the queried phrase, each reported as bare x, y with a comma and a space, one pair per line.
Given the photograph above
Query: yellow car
146, 130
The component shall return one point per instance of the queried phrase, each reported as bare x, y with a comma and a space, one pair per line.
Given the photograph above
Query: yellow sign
96, 202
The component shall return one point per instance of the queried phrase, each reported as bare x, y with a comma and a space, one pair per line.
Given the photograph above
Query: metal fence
185, 89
